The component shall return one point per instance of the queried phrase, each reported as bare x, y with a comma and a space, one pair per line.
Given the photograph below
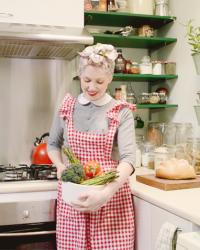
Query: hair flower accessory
99, 52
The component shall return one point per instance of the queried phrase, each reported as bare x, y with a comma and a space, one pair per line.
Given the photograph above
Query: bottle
118, 93
120, 63
102, 5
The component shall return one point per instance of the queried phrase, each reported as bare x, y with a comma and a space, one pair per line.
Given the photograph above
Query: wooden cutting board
165, 184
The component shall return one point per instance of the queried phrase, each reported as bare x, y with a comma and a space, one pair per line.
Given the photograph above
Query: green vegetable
71, 156
74, 173
101, 180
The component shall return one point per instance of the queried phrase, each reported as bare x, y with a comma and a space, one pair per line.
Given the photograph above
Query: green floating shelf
156, 106
133, 41
122, 19
142, 78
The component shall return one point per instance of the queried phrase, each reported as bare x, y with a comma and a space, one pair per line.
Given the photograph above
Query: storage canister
161, 7
146, 65
141, 6
193, 153
158, 68
170, 68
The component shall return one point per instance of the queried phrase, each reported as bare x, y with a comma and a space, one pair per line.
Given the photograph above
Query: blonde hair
99, 55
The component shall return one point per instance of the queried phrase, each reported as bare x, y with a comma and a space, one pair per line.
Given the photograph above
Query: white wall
183, 90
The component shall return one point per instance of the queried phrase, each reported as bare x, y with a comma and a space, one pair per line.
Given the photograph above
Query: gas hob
23, 172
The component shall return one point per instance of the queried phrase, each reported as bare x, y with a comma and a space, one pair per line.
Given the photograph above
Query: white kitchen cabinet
149, 220
45, 12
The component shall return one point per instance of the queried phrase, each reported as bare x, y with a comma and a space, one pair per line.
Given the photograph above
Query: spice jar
143, 98
146, 65
135, 69
154, 98
120, 63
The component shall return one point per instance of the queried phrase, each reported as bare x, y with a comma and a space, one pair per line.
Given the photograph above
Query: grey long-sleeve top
90, 117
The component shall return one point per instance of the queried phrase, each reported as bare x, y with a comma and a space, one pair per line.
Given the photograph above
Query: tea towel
167, 237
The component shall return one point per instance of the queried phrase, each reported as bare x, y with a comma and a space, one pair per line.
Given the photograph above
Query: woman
96, 127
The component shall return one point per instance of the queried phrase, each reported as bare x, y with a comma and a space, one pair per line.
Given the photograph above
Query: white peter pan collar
100, 102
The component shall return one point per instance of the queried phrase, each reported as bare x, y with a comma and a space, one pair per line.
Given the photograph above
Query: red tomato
92, 169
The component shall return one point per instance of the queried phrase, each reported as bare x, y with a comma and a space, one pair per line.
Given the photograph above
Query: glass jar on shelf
158, 68
143, 98
146, 65
135, 69
154, 98
130, 97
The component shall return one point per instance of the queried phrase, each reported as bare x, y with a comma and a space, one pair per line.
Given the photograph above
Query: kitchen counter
184, 203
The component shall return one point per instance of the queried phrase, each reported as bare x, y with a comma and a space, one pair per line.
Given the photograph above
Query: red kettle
39, 154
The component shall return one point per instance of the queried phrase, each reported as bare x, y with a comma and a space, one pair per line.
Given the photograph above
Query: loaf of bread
175, 169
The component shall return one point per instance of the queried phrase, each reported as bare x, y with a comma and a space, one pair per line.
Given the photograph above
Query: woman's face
94, 82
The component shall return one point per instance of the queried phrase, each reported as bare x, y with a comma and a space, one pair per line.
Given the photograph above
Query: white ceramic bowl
71, 191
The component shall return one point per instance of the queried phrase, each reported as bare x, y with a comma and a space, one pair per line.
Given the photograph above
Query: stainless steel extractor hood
42, 41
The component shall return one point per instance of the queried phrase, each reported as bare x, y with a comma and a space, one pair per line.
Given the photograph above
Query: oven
28, 225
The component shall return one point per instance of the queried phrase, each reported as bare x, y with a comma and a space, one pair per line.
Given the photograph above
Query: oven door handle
27, 233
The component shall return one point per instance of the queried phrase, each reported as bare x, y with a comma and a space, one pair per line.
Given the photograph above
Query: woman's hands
60, 167
92, 201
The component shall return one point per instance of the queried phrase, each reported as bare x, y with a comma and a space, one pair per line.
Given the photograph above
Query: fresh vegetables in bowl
78, 178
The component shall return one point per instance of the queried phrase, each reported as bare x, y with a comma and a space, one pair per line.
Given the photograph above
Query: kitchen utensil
39, 154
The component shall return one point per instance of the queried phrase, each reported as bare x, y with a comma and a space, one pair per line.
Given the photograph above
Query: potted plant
193, 35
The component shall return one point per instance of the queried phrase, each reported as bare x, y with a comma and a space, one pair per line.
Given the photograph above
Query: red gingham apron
112, 227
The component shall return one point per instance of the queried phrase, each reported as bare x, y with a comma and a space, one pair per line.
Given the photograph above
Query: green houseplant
193, 36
